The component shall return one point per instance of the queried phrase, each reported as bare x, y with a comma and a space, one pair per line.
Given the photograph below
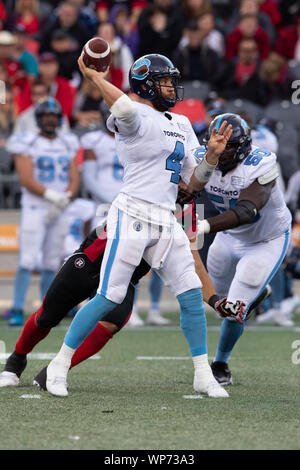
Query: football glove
227, 309
61, 200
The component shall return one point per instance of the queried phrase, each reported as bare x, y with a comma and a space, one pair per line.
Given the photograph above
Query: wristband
213, 299
204, 171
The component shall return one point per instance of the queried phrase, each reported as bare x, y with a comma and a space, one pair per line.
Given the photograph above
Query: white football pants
129, 240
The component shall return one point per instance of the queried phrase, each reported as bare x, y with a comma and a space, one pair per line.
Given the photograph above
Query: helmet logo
140, 69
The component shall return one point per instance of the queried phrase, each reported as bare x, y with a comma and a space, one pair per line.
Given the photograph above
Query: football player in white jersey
155, 148
46, 165
253, 229
103, 177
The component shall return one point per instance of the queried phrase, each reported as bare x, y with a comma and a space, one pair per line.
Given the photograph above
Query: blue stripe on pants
111, 255
274, 270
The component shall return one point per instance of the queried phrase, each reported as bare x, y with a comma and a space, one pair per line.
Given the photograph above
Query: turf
120, 402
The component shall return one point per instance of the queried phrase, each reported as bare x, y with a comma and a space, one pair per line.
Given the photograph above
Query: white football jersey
223, 191
51, 160
263, 138
156, 149
109, 170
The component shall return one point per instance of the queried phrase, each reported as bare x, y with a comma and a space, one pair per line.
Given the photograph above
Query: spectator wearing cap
241, 77
26, 121
59, 87
16, 76
288, 43
66, 53
248, 27
121, 56
26, 58
195, 60
125, 29
160, 28
68, 20
26, 13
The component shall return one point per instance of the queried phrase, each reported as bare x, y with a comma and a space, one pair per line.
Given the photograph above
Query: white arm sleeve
90, 181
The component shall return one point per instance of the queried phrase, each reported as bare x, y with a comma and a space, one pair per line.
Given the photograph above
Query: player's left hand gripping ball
96, 54
227, 309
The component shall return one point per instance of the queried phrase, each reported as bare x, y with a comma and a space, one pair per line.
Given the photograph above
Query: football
96, 54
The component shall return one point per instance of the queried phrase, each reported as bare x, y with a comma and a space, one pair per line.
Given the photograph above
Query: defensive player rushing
155, 148
46, 165
254, 227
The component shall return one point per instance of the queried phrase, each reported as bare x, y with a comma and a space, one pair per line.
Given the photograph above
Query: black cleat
40, 379
221, 373
16, 364
263, 296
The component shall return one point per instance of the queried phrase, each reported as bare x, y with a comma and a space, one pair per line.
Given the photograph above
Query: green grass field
121, 402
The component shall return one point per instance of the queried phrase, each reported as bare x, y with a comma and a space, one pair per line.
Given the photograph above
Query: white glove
61, 200
202, 227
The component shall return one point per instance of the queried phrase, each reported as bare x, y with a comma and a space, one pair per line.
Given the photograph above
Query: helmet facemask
162, 102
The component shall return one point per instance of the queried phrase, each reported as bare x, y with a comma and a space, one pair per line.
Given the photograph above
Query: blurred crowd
240, 56
236, 54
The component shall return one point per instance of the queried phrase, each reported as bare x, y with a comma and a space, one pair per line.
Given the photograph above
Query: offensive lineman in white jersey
155, 148
254, 229
46, 165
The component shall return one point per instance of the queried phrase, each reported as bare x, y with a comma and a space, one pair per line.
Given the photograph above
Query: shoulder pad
271, 175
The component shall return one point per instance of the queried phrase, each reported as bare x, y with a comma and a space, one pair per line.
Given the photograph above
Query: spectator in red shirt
248, 27
241, 78
288, 43
16, 76
59, 87
27, 14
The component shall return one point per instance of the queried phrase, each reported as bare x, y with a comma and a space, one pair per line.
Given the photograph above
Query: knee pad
251, 271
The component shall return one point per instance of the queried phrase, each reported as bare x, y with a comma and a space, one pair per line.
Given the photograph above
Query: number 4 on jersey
173, 162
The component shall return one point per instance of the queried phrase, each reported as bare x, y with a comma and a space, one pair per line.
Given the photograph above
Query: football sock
30, 336
193, 321
22, 281
278, 288
230, 332
95, 341
155, 288
86, 320
46, 280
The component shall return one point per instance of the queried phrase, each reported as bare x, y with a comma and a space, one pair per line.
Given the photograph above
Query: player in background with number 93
48, 173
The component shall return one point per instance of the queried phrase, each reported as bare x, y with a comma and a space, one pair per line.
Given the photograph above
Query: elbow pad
245, 211
123, 107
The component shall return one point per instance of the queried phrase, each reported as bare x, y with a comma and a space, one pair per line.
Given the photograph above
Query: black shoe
40, 379
16, 363
263, 296
221, 373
